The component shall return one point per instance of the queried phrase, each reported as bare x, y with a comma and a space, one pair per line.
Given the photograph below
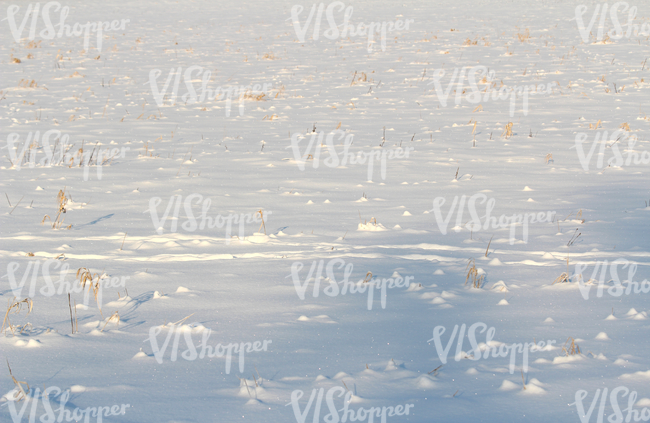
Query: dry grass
372, 220
564, 277
21, 395
26, 83
251, 96
85, 276
589, 282
34, 44
270, 56
115, 316
262, 225
358, 78
572, 348
488, 247
73, 323
525, 36
549, 158
435, 371
573, 239
596, 126
625, 126
246, 384
14, 307
146, 146
62, 201
472, 275
280, 92
180, 322
507, 130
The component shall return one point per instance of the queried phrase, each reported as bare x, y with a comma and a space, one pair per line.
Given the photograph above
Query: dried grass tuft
524, 37
115, 316
549, 158
507, 130
596, 126
564, 277
21, 395
572, 349
472, 274
358, 78
251, 96
14, 307
263, 225
86, 277
62, 201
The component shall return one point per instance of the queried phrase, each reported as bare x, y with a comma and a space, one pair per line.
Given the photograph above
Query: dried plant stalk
473, 275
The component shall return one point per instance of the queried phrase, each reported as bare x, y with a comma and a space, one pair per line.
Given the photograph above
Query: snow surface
242, 288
